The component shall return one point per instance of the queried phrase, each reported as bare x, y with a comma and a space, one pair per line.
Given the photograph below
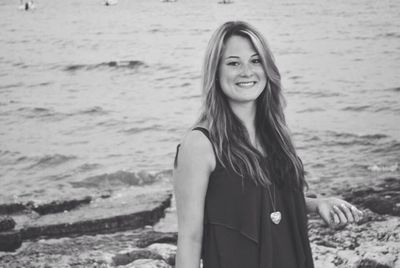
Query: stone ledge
123, 211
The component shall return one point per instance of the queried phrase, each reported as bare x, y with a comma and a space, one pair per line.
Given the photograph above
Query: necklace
275, 215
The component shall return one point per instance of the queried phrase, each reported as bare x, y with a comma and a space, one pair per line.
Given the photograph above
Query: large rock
383, 198
158, 251
129, 256
60, 205
166, 251
11, 207
6, 223
10, 240
89, 251
127, 209
148, 263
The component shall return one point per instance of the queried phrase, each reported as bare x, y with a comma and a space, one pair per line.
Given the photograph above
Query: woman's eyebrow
237, 57
232, 57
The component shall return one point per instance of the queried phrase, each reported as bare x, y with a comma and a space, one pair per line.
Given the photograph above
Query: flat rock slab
130, 208
10, 240
383, 198
89, 251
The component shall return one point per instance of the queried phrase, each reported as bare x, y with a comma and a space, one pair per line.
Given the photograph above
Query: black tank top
238, 231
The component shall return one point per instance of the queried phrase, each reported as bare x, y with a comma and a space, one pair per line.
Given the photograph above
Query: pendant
276, 217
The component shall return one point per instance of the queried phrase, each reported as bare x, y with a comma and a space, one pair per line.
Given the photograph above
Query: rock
311, 195
157, 251
367, 263
377, 257
127, 209
148, 263
60, 205
10, 208
382, 198
6, 223
89, 251
10, 240
157, 237
166, 251
127, 257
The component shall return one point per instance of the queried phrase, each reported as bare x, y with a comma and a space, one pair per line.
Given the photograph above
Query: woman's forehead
238, 46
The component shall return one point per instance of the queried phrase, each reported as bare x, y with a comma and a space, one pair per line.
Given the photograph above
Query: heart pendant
276, 217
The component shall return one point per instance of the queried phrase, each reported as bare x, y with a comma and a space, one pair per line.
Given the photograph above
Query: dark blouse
238, 231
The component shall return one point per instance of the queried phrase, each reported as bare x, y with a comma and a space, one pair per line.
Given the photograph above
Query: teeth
246, 84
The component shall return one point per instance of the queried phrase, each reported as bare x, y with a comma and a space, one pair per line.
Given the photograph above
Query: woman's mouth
246, 84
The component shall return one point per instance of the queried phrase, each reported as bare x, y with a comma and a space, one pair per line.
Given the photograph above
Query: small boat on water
110, 2
26, 5
225, 2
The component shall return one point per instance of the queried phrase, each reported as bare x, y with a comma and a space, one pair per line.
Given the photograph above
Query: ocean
95, 96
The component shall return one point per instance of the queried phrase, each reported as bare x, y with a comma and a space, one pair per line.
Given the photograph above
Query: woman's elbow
190, 236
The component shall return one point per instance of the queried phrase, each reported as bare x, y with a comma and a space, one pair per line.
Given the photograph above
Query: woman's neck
246, 112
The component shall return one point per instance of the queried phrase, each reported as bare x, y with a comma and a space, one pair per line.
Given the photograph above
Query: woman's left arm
333, 211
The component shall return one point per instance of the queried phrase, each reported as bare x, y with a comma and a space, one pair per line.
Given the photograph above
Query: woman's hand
337, 212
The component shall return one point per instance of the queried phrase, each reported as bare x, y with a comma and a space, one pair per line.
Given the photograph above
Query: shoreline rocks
383, 198
126, 209
374, 242
6, 223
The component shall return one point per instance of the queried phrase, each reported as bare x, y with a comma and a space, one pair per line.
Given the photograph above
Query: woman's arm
195, 163
334, 211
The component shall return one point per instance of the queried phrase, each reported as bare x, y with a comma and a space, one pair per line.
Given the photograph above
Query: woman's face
241, 74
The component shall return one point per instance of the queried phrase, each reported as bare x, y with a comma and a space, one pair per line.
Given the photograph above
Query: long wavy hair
228, 134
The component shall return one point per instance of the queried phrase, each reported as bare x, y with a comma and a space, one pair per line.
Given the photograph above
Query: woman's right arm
195, 163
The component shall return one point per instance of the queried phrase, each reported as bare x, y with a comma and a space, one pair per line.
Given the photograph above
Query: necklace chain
273, 201
275, 215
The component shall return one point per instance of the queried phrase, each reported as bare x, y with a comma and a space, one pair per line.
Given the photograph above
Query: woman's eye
256, 61
233, 63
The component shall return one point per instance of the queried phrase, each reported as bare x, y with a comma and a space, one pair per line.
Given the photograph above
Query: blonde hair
228, 134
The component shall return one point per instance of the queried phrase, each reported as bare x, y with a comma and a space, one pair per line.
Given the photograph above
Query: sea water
94, 95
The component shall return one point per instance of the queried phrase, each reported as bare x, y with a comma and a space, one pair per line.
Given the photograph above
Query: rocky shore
136, 227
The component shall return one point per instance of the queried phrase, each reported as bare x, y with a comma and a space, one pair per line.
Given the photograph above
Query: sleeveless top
238, 231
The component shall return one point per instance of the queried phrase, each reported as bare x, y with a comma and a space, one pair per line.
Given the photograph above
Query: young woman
238, 180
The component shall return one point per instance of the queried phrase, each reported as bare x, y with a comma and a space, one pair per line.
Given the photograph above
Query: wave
188, 97
87, 167
394, 89
314, 94
383, 168
125, 64
310, 110
356, 108
41, 112
96, 110
43, 84
11, 86
392, 147
345, 139
51, 160
389, 35
118, 179
351, 135
33, 112
134, 130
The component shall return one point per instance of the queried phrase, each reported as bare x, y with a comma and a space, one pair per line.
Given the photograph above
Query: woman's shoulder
196, 138
196, 146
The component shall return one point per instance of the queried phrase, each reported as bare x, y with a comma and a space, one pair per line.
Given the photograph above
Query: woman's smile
246, 84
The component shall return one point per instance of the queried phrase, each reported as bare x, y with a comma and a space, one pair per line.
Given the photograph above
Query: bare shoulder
197, 149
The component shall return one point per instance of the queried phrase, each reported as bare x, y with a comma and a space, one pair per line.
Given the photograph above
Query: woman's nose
246, 70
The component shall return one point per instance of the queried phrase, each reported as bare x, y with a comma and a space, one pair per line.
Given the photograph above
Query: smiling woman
242, 77
238, 180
